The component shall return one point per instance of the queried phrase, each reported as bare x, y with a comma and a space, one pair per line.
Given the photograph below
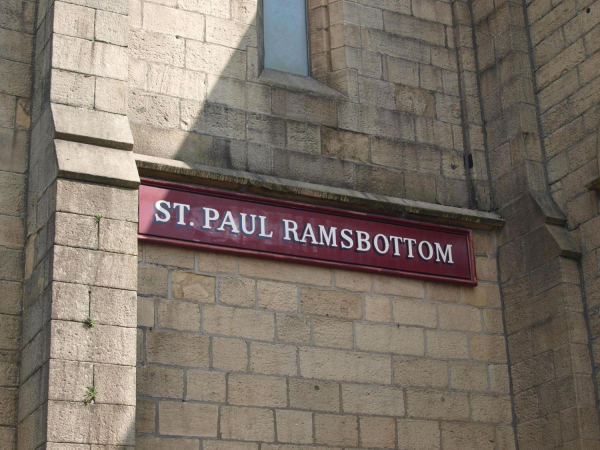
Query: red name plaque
203, 218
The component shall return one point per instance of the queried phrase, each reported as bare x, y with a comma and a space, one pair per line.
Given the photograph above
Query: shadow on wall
200, 98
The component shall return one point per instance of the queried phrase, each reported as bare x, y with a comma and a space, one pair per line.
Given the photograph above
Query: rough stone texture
274, 345
16, 48
427, 101
540, 149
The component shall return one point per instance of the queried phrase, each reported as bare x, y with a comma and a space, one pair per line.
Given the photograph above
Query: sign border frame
472, 281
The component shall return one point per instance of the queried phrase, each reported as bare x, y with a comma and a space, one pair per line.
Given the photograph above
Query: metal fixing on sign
211, 219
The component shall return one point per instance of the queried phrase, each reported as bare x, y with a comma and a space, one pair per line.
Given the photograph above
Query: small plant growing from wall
97, 218
91, 323
91, 395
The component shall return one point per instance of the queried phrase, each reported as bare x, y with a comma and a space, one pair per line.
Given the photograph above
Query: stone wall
565, 40
386, 116
16, 46
545, 317
77, 366
236, 349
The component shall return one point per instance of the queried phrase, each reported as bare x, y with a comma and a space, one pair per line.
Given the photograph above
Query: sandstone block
491, 408
314, 395
345, 144
14, 142
447, 345
419, 434
460, 318
156, 381
217, 8
239, 322
438, 405
190, 286
376, 92
378, 432
411, 27
17, 46
215, 59
97, 423
237, 291
295, 273
118, 236
230, 445
11, 232
92, 199
467, 436
156, 47
101, 344
73, 89
187, 419
420, 372
74, 20
145, 416
309, 108
344, 365
377, 309
330, 303
97, 268
230, 354
414, 312
206, 386
303, 137
216, 120
177, 82
153, 281
76, 231
376, 400
255, 390
415, 101
396, 46
14, 78
403, 71
293, 329
179, 349
111, 28
347, 12
273, 359
336, 430
277, 296
11, 301
294, 426
230, 33
390, 339
153, 109
113, 307
399, 286
14, 187
488, 348
484, 294
216, 262
156, 443
111, 95
372, 120
332, 333
180, 316
247, 424
467, 376
173, 21
116, 384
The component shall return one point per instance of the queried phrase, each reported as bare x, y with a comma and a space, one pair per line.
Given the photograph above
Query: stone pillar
79, 339
554, 401
16, 39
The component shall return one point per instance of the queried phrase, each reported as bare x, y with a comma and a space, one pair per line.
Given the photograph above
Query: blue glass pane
286, 47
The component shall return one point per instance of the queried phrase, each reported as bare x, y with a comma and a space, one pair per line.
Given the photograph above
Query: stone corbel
94, 146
